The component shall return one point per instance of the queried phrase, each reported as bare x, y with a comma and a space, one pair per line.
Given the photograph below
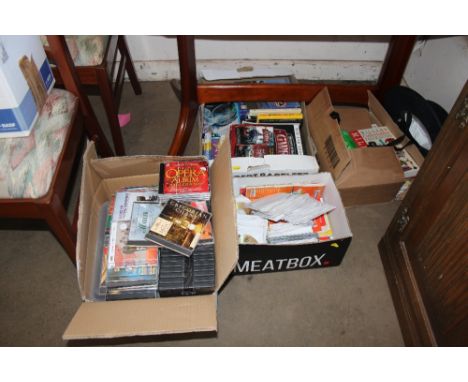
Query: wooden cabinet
425, 249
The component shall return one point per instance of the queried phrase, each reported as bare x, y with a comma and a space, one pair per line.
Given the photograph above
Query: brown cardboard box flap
370, 166
381, 114
143, 317
224, 214
353, 118
325, 131
89, 183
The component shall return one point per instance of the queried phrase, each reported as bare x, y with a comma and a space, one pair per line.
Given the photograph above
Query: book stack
283, 214
254, 128
159, 241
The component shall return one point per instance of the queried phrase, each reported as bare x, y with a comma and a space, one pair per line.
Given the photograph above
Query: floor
349, 305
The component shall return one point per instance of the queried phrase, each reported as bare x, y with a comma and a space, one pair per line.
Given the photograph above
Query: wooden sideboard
425, 249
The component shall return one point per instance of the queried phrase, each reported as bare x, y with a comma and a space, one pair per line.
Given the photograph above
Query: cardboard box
264, 258
365, 175
101, 178
25, 81
271, 164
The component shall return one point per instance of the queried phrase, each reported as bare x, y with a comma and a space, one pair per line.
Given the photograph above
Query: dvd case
179, 227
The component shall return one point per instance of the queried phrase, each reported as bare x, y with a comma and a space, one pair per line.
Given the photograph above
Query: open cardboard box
262, 258
271, 164
108, 319
365, 175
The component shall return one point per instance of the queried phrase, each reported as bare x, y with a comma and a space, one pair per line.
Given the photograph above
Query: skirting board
306, 69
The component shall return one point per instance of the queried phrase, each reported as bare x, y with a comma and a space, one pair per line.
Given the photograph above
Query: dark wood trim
125, 52
350, 94
189, 102
94, 79
394, 65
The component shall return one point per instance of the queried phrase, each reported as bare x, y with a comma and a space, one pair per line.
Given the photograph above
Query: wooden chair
95, 59
38, 179
194, 94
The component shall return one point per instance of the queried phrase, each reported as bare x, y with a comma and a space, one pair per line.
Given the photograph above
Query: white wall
354, 58
438, 69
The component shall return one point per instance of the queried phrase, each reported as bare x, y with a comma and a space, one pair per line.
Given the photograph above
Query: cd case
179, 227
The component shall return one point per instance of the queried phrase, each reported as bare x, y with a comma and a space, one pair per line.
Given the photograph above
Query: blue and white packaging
18, 110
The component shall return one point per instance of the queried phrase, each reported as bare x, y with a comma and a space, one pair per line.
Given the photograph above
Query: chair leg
129, 65
56, 217
105, 89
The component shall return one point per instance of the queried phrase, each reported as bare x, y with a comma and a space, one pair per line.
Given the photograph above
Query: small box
365, 175
25, 81
108, 319
265, 258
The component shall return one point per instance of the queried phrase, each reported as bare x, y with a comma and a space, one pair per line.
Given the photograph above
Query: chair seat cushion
85, 50
27, 164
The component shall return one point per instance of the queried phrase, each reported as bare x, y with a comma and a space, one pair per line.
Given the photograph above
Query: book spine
256, 112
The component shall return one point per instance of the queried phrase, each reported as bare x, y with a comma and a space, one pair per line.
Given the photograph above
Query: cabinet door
425, 248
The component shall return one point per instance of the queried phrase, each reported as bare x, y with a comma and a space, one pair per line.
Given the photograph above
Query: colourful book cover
184, 177
179, 227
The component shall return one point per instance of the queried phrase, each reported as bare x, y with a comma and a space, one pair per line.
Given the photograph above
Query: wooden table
194, 93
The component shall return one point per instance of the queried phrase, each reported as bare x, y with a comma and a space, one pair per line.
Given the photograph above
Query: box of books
148, 258
362, 148
289, 222
25, 80
265, 137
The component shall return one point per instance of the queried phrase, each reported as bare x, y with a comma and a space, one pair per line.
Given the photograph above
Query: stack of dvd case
181, 275
158, 241
185, 276
129, 269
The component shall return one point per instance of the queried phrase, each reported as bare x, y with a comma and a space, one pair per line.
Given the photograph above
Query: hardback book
184, 177
179, 227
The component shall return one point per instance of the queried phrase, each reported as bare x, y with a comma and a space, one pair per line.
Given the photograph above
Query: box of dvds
130, 310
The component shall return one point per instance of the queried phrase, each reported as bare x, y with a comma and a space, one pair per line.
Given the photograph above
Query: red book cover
185, 177
357, 137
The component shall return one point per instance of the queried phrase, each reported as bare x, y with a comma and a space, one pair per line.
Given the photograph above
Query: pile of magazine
283, 214
158, 241
255, 129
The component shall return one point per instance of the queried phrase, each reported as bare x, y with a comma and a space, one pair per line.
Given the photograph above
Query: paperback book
179, 227
252, 109
258, 140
